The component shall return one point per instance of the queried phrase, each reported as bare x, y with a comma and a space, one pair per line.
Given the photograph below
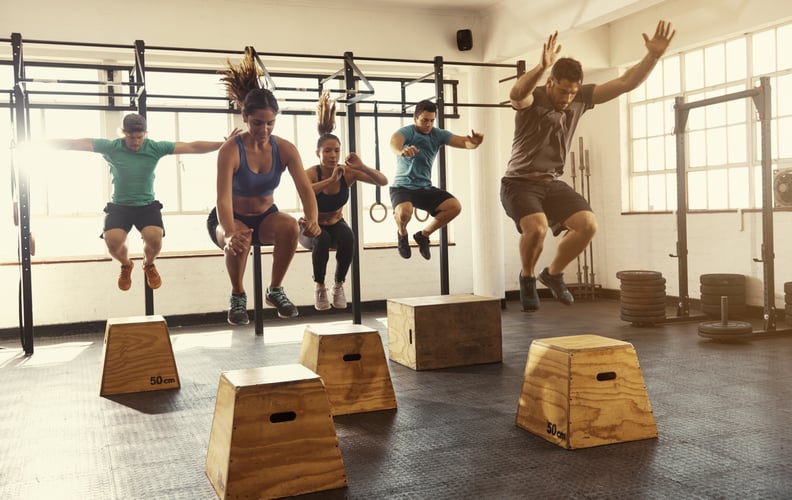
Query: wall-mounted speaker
464, 39
782, 187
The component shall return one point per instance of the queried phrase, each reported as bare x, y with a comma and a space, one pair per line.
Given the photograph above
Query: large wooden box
584, 390
426, 333
137, 356
351, 361
272, 435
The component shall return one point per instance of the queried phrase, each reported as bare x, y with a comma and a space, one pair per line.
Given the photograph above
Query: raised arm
363, 172
521, 95
634, 76
72, 144
471, 141
200, 147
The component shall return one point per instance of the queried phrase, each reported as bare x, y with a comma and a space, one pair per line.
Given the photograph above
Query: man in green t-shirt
132, 160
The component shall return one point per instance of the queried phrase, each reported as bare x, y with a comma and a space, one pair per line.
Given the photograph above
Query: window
723, 150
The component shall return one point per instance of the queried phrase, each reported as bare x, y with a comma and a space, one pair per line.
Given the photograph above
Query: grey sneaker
320, 299
555, 282
423, 245
237, 311
276, 297
529, 297
404, 246
339, 298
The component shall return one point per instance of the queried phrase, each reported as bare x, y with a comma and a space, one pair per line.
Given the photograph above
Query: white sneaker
339, 299
320, 297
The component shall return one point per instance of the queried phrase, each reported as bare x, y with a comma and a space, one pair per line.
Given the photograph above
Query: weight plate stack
642, 297
715, 286
788, 301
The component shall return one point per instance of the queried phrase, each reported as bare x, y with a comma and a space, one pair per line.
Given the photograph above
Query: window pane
785, 137
639, 155
718, 189
639, 190
714, 65
671, 75
763, 52
736, 109
657, 193
697, 190
656, 156
697, 149
782, 95
48, 91
654, 83
654, 118
737, 144
671, 191
694, 70
784, 40
736, 59
638, 120
715, 113
739, 188
198, 172
162, 127
670, 152
716, 146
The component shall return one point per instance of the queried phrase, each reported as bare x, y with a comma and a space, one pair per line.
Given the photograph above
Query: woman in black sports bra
331, 181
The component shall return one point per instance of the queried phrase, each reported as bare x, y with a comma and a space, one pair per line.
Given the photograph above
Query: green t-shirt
132, 171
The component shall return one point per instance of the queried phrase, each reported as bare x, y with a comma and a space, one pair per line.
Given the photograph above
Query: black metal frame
762, 100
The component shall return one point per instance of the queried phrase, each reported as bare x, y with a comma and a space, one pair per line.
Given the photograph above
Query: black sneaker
555, 282
529, 297
237, 310
276, 297
423, 245
404, 246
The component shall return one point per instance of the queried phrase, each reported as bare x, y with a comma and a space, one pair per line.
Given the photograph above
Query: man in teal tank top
132, 160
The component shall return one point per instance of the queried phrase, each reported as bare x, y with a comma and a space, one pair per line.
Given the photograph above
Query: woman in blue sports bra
249, 168
331, 181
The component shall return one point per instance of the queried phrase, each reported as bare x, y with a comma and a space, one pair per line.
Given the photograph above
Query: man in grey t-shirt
545, 121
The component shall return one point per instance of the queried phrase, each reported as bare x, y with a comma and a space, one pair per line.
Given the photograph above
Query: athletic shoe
529, 297
125, 277
404, 246
320, 299
276, 297
423, 245
237, 311
555, 282
152, 276
339, 298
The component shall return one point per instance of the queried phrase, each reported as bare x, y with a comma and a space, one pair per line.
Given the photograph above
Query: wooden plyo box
584, 390
351, 361
426, 333
272, 435
137, 356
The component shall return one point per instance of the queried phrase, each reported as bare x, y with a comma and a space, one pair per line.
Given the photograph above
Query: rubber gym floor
722, 412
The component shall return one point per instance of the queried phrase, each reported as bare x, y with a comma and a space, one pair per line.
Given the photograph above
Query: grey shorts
556, 199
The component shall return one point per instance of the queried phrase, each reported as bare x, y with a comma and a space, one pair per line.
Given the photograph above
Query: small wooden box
273, 435
137, 356
584, 390
426, 333
351, 361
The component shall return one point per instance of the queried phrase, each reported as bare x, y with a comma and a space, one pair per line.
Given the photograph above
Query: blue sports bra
248, 183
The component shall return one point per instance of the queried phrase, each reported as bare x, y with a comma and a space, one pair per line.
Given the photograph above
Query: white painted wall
66, 293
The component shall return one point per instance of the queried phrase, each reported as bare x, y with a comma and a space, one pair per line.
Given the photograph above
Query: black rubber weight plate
722, 289
639, 284
649, 313
722, 279
737, 300
643, 319
714, 329
641, 305
788, 298
637, 275
788, 287
642, 296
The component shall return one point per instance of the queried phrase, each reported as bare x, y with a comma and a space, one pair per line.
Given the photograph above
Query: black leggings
338, 236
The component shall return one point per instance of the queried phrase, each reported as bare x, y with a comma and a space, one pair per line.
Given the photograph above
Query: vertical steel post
680, 122
441, 165
763, 105
351, 108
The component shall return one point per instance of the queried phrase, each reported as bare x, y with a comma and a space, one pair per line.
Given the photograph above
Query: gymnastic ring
384, 212
415, 213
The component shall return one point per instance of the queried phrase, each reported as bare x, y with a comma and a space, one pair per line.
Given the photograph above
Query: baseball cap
134, 123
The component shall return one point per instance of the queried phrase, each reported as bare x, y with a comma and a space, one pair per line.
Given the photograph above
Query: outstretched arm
472, 141
521, 95
72, 144
655, 48
200, 147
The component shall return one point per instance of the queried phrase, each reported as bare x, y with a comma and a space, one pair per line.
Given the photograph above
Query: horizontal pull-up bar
718, 99
78, 82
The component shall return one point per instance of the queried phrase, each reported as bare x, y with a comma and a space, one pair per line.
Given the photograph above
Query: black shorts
557, 199
251, 221
126, 216
427, 199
